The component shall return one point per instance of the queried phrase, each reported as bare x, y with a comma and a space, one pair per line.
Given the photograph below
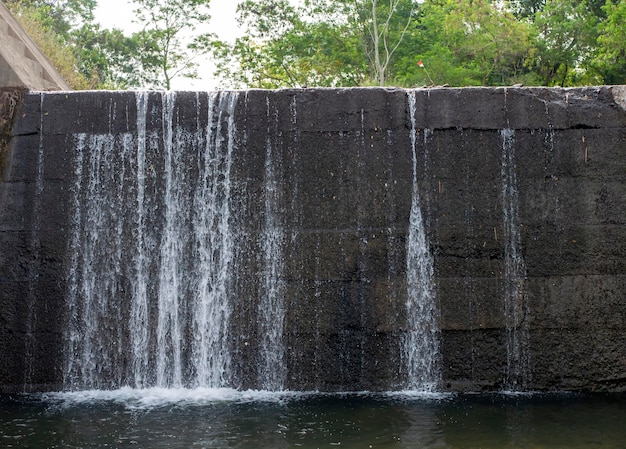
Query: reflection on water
229, 419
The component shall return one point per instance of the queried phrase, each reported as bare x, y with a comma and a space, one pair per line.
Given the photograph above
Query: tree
489, 40
610, 58
320, 42
50, 24
170, 38
58, 15
92, 57
386, 24
116, 60
465, 43
566, 35
381, 25
289, 46
429, 40
526, 9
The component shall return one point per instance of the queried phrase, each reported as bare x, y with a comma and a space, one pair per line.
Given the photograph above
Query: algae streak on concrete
522, 199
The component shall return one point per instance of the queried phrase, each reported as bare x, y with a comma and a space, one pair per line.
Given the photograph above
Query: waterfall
271, 375
151, 249
421, 346
95, 339
170, 277
139, 336
515, 294
214, 245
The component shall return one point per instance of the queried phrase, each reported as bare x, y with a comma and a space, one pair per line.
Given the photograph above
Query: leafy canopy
340, 42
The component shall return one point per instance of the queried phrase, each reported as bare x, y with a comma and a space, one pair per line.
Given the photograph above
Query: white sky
119, 14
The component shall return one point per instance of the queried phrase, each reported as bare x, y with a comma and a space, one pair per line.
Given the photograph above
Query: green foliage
566, 32
36, 21
287, 46
465, 43
341, 42
461, 42
165, 52
88, 56
490, 42
385, 26
118, 61
610, 59
57, 15
318, 43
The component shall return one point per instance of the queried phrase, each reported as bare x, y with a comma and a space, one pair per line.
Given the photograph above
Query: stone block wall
521, 188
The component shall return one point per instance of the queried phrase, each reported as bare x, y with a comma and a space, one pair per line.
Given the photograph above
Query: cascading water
143, 244
422, 339
271, 370
139, 337
95, 341
214, 242
172, 257
515, 294
128, 243
153, 285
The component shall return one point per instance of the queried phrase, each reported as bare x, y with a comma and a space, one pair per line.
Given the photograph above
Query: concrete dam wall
316, 239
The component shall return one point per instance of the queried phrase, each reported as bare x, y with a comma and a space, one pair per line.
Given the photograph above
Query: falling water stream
214, 242
515, 294
422, 340
172, 295
139, 305
151, 223
272, 372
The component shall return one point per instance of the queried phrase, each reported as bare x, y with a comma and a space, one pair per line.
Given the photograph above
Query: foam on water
422, 340
149, 398
420, 395
154, 398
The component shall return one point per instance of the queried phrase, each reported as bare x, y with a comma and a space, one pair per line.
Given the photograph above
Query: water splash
154, 398
214, 241
135, 294
95, 343
271, 309
422, 339
515, 294
139, 336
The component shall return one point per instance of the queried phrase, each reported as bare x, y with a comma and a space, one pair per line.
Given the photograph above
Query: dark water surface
206, 419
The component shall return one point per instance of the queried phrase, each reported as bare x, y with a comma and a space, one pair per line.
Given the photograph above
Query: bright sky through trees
119, 14
200, 45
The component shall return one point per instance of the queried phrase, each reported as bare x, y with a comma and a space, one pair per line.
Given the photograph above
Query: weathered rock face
522, 193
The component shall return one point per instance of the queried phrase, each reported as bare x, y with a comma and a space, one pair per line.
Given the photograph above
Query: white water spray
214, 243
422, 339
136, 291
169, 324
139, 318
271, 309
515, 294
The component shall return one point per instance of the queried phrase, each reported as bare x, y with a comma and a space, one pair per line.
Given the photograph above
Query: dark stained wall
522, 189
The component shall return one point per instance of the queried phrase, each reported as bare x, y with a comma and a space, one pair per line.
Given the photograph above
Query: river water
205, 418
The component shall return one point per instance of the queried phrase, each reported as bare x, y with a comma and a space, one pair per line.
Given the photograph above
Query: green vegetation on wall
10, 100
90, 57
